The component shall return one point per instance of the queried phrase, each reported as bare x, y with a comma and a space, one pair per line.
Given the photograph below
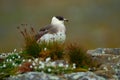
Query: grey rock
34, 76
110, 58
83, 76
118, 74
103, 51
44, 76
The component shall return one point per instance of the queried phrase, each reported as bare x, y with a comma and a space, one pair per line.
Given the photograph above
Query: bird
55, 31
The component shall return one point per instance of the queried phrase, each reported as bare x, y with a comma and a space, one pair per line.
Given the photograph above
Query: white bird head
58, 20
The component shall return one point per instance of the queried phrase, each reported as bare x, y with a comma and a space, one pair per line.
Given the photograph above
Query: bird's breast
59, 36
62, 29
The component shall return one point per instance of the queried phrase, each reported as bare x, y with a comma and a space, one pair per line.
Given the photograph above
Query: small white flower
60, 65
89, 69
49, 70
13, 57
66, 65
33, 64
48, 59
23, 60
15, 50
7, 60
105, 68
4, 65
36, 60
45, 49
29, 60
74, 65
40, 62
19, 57
13, 64
10, 60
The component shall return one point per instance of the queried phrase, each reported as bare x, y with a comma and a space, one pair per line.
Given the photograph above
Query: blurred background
92, 23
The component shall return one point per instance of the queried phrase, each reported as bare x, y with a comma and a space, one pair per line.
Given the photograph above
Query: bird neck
57, 23
59, 27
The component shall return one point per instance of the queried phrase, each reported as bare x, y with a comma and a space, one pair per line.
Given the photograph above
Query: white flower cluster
11, 60
4, 55
47, 63
49, 66
15, 60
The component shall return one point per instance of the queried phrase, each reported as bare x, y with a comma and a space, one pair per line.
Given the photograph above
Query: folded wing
47, 29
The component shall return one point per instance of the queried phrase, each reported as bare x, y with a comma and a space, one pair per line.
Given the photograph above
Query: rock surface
110, 60
104, 51
44, 76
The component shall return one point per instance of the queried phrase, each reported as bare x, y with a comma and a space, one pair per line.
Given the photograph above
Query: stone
83, 76
44, 76
104, 51
34, 76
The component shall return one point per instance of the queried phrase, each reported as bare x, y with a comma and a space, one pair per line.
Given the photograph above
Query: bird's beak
66, 20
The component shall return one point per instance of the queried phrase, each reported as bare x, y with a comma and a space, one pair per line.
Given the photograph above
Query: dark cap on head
61, 18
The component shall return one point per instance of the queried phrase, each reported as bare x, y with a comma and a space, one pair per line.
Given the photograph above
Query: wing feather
44, 30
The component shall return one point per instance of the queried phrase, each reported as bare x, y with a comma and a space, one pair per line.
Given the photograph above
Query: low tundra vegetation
53, 57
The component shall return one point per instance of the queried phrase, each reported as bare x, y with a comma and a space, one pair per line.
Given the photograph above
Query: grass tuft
56, 50
79, 56
31, 47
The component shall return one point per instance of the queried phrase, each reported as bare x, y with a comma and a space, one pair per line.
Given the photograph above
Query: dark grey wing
46, 28
43, 31
40, 34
